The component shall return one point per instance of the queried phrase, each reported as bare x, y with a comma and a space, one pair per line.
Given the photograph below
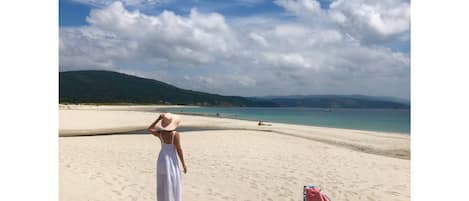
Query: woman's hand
160, 117
151, 128
184, 168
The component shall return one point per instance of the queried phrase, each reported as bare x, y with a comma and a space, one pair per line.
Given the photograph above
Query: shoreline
117, 121
228, 117
157, 108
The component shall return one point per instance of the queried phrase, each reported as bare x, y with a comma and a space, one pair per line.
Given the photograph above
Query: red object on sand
313, 193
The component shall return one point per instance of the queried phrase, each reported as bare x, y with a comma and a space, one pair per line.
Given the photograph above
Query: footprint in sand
108, 183
116, 192
133, 198
394, 193
400, 187
254, 186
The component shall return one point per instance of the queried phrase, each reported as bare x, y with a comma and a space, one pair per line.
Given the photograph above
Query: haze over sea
386, 120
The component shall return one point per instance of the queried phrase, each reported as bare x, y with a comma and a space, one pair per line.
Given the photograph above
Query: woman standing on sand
168, 175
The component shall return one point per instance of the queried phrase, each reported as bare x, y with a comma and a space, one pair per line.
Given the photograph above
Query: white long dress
168, 174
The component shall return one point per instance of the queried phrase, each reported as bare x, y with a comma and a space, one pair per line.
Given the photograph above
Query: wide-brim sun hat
169, 122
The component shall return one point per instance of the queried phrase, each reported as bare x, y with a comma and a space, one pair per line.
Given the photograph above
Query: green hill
111, 87
106, 87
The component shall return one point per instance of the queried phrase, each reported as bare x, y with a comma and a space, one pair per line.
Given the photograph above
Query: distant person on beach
263, 124
168, 174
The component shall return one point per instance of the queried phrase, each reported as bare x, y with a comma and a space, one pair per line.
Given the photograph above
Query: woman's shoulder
176, 134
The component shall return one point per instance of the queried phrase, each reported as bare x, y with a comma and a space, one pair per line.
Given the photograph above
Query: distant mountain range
106, 87
354, 96
338, 101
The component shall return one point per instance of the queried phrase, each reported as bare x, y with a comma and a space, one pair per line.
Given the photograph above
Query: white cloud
247, 56
167, 37
305, 8
370, 20
258, 39
88, 47
286, 60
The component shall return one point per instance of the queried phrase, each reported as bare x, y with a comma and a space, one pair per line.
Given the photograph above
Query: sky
244, 47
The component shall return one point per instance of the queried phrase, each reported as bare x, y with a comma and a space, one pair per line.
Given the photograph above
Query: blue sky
72, 13
246, 47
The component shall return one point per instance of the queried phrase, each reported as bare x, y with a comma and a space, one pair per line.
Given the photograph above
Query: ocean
387, 120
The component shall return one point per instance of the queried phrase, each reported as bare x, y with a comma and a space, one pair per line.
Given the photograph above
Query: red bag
313, 193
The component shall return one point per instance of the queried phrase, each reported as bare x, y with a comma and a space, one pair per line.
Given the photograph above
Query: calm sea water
388, 120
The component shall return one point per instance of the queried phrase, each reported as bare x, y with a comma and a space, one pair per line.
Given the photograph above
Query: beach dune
242, 161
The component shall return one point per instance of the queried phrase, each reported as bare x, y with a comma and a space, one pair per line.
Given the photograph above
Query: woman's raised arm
152, 129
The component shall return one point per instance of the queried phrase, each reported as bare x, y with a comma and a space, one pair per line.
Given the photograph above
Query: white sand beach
240, 162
